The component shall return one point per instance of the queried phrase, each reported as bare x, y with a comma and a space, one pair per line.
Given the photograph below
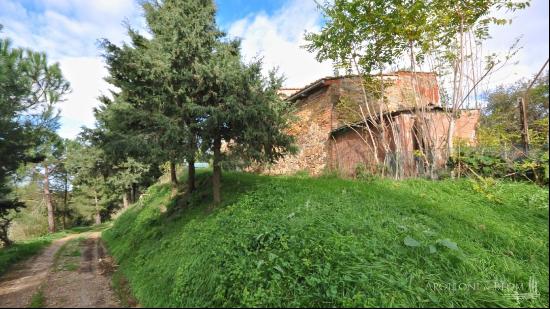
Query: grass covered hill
297, 241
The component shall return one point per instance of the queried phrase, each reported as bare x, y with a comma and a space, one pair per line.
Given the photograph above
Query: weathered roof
321, 82
286, 92
304, 92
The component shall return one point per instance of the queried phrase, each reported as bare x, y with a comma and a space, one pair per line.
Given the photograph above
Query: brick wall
311, 130
317, 116
351, 148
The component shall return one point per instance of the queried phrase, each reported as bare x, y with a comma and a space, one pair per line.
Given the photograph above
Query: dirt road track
88, 286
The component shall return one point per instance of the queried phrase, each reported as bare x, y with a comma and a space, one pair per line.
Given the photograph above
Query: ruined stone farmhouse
342, 124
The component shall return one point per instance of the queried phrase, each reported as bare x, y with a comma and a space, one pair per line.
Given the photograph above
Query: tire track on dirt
87, 287
19, 285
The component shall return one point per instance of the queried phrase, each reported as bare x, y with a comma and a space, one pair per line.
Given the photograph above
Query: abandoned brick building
332, 136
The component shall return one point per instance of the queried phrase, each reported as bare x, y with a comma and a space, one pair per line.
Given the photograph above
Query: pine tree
49, 88
184, 37
187, 87
87, 166
29, 89
242, 109
14, 86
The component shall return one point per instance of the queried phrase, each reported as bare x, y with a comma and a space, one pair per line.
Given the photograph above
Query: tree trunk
524, 125
125, 201
97, 218
217, 171
191, 175
97, 210
134, 193
48, 198
65, 201
173, 174
4, 234
450, 136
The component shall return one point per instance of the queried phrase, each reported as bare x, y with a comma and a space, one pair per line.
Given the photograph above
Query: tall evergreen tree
52, 150
125, 153
14, 86
138, 113
242, 109
188, 86
49, 88
157, 78
87, 165
29, 90
184, 38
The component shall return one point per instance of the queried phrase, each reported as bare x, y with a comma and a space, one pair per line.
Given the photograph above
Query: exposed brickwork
311, 130
323, 146
353, 147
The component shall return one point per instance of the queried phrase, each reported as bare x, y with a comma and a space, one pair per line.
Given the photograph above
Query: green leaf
272, 256
411, 242
433, 298
279, 269
449, 244
433, 249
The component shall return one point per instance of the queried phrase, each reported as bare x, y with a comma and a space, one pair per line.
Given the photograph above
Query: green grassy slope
295, 241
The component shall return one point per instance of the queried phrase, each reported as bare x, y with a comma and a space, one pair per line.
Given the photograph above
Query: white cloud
532, 26
86, 75
278, 39
68, 30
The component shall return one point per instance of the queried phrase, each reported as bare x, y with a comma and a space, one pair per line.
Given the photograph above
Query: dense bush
489, 163
327, 242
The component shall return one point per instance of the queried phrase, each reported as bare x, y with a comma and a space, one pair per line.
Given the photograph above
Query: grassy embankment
297, 241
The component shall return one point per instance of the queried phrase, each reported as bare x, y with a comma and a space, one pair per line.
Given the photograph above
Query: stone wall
311, 130
317, 115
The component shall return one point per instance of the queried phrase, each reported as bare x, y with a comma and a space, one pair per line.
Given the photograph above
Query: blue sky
68, 31
232, 10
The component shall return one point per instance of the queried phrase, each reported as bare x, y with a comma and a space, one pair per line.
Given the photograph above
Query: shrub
492, 164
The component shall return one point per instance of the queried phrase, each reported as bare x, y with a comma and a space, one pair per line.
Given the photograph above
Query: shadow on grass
234, 185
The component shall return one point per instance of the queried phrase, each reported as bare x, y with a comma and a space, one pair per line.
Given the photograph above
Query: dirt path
76, 277
19, 285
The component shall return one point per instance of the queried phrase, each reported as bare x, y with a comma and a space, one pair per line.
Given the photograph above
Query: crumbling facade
341, 126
